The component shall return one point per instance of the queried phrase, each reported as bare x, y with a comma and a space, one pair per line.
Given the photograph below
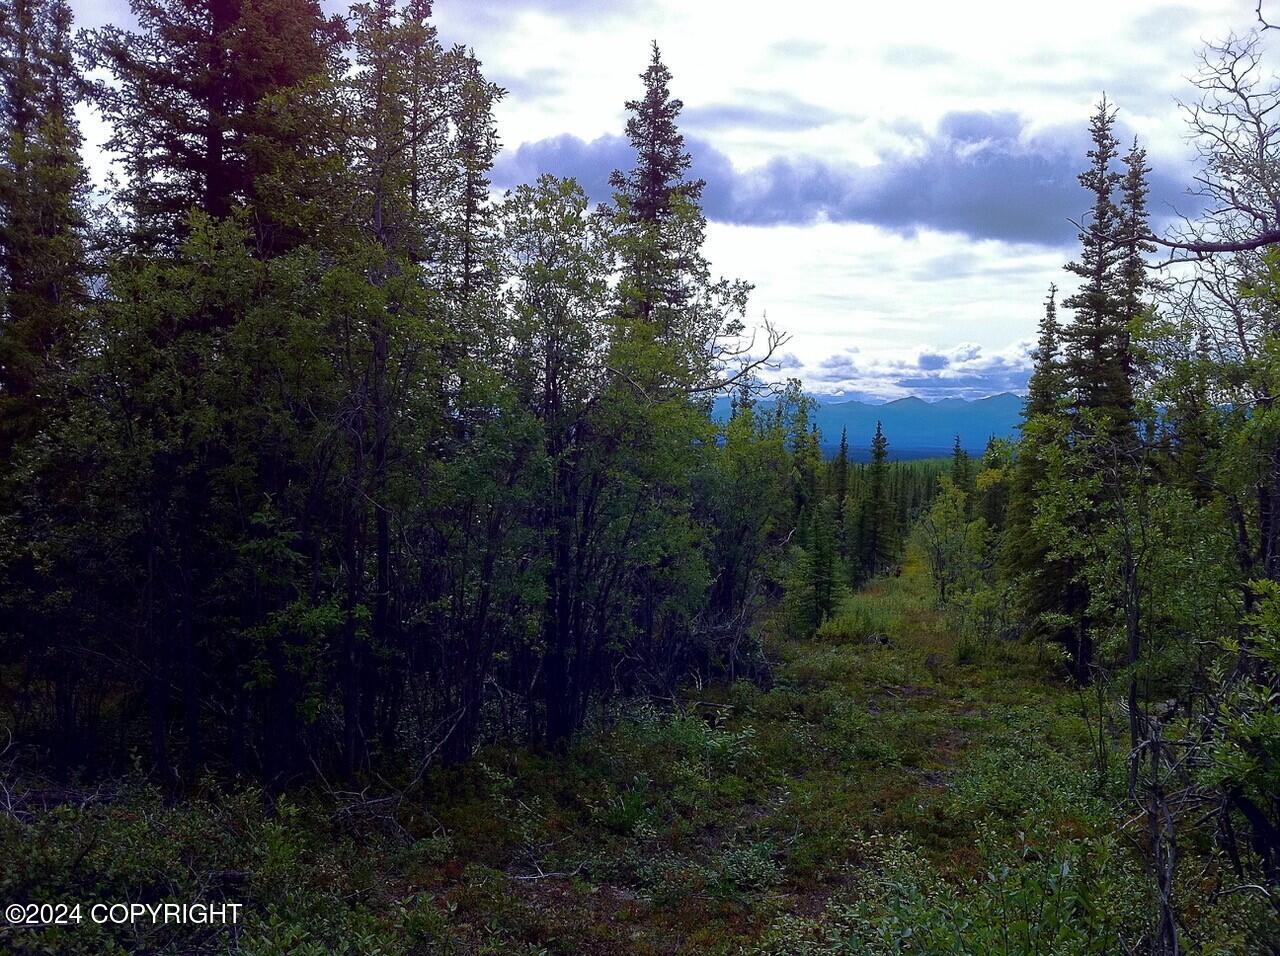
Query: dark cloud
838, 361
966, 386
590, 163
974, 128
965, 373
837, 368
981, 174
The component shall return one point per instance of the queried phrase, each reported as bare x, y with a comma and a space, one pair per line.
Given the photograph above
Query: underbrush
1078, 898
860, 618
881, 796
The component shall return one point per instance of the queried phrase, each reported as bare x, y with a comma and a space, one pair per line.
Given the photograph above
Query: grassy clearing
881, 797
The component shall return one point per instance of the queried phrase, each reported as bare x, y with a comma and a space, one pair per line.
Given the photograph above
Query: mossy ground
881, 797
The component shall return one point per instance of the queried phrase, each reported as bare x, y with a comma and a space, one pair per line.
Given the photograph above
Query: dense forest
370, 552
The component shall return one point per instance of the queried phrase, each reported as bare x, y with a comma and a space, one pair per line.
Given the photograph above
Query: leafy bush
859, 619
1080, 899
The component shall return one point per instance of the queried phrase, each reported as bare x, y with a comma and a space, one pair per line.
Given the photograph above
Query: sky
896, 179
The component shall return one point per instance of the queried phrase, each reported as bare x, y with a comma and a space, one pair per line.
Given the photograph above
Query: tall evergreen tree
806, 459
962, 473
657, 206
1096, 343
472, 217
1042, 585
840, 468
186, 102
1133, 230
840, 491
826, 558
43, 207
1094, 470
650, 191
1045, 389
44, 280
877, 517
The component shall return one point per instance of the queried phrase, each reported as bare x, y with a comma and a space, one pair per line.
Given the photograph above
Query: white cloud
853, 85
843, 289
869, 82
963, 371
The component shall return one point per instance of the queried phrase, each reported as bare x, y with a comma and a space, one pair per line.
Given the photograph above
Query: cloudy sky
895, 178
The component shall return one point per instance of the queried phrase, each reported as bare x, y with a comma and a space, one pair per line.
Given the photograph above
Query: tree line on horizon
317, 458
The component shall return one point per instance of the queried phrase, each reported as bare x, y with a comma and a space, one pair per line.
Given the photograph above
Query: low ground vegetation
881, 796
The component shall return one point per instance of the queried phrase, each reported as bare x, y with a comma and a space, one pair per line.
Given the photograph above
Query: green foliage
326, 466
859, 619
346, 463
868, 802
876, 524
1244, 759
1066, 902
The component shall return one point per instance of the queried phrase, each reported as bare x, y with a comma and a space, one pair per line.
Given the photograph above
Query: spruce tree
472, 219
657, 206
840, 469
44, 278
806, 459
43, 264
961, 473
1099, 373
876, 518
1041, 583
649, 192
1045, 387
840, 491
186, 102
1134, 229
823, 544
1096, 344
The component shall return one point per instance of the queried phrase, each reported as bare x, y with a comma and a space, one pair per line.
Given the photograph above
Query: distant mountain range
915, 428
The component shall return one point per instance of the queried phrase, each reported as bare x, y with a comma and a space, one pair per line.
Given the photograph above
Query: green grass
885, 795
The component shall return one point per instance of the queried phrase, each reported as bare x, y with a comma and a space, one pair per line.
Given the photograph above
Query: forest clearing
413, 541
894, 790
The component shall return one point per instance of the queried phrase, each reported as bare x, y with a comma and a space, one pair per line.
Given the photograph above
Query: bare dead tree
1222, 298
1233, 125
736, 358
1263, 20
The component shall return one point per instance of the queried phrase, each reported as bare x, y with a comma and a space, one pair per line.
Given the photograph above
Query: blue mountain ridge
915, 428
